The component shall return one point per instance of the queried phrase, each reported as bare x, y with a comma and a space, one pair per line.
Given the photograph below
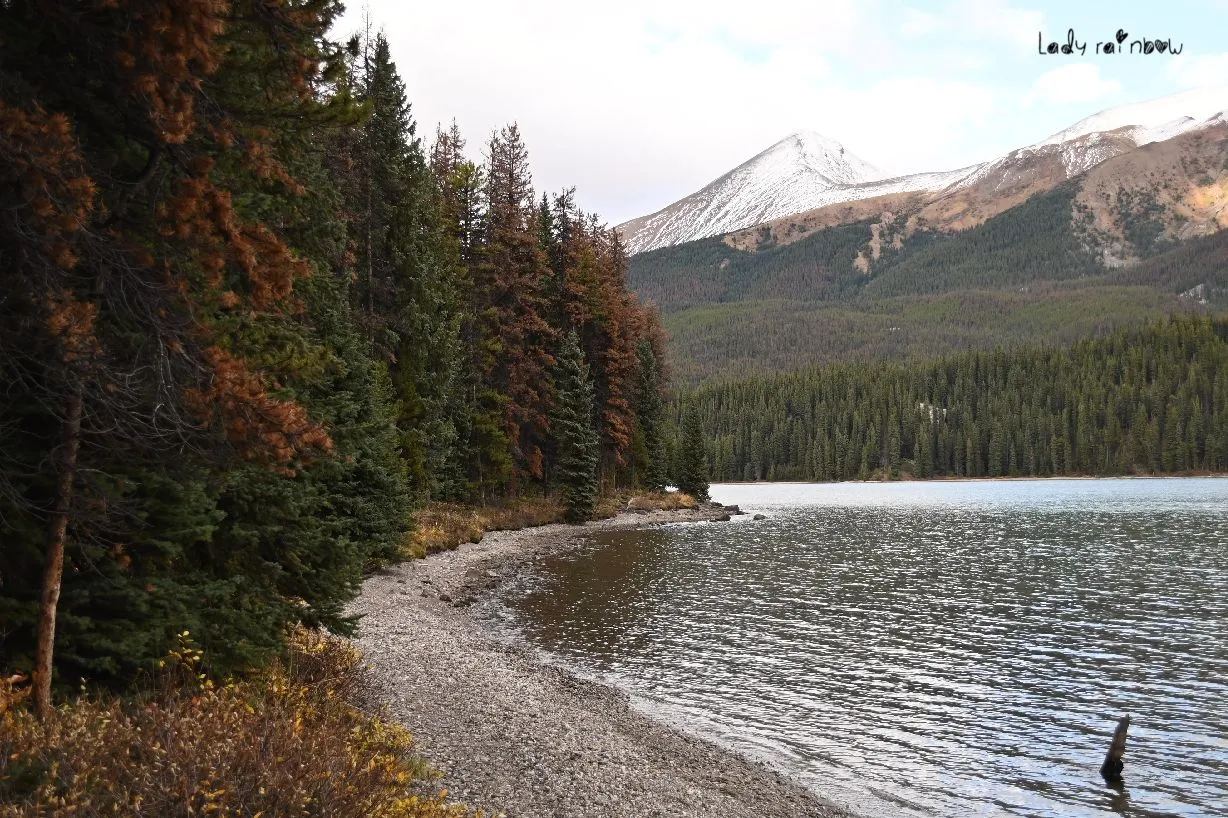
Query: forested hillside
1142, 401
707, 271
724, 342
249, 325
1021, 276
1032, 242
893, 287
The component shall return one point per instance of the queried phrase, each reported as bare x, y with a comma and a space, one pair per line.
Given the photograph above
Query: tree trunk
1113, 765
54, 568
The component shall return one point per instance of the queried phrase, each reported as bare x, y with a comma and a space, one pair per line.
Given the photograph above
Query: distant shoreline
1195, 475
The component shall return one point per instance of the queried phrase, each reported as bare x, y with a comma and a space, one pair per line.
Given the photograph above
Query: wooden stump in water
1112, 766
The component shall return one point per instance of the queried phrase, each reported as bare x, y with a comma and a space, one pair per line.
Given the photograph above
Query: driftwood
1112, 766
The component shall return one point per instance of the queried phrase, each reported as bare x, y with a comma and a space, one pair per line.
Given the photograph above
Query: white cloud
830, 25
996, 20
1190, 71
917, 23
1075, 82
640, 104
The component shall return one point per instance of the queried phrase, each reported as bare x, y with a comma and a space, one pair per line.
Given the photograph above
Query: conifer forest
253, 318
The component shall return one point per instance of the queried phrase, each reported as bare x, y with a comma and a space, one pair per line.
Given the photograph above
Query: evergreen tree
650, 411
196, 443
406, 293
692, 475
511, 279
572, 428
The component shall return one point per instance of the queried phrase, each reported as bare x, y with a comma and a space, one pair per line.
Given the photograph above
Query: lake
926, 648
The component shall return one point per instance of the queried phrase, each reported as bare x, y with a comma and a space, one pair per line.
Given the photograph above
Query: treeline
1142, 401
249, 324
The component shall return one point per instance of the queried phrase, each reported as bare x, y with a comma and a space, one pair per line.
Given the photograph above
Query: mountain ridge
758, 191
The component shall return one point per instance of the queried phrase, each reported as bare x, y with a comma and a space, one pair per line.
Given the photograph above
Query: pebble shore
517, 737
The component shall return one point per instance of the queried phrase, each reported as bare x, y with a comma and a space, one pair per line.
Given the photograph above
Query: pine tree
406, 290
575, 437
692, 475
511, 280
650, 414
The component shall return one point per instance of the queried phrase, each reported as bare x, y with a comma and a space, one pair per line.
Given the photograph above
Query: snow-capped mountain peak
818, 154
1113, 131
801, 171
1152, 121
806, 170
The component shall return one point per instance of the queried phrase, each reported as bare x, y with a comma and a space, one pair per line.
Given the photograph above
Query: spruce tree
650, 414
575, 437
692, 460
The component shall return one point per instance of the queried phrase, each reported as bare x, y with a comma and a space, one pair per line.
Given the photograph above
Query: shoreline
953, 479
518, 737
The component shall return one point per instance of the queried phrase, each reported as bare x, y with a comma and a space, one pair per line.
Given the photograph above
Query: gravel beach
520, 738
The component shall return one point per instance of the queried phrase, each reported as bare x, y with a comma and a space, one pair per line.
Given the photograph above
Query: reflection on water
928, 649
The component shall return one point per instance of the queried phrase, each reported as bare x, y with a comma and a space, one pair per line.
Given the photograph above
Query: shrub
662, 501
444, 526
288, 741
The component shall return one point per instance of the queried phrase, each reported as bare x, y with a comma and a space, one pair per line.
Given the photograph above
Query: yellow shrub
662, 501
288, 741
444, 526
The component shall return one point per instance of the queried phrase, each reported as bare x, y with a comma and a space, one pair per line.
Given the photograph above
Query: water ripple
930, 649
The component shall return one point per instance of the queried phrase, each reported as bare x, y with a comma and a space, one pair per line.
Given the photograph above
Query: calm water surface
916, 649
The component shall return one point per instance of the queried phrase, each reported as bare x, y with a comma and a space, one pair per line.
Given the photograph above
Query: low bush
444, 526
662, 501
288, 741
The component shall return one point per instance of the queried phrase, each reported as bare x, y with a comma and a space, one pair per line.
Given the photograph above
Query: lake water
921, 649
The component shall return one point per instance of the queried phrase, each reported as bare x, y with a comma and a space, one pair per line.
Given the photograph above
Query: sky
637, 103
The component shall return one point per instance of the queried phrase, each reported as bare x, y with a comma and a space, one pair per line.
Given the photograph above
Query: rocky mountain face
800, 172
806, 183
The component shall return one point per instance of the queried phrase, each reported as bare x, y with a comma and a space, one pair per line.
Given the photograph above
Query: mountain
1135, 237
773, 188
802, 171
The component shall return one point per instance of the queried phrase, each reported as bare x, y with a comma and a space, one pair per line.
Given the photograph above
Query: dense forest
1141, 401
250, 323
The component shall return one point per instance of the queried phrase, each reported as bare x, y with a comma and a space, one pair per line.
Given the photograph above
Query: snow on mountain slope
806, 171
1114, 131
800, 172
1152, 121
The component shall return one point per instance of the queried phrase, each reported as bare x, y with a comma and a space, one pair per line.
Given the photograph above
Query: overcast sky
639, 102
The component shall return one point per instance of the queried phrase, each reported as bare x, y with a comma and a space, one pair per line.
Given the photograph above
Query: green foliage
1199, 264
726, 341
575, 437
407, 290
282, 329
1139, 401
650, 409
1141, 217
692, 467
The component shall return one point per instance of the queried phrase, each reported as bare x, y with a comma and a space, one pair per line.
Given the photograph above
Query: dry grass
289, 741
444, 526
662, 501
